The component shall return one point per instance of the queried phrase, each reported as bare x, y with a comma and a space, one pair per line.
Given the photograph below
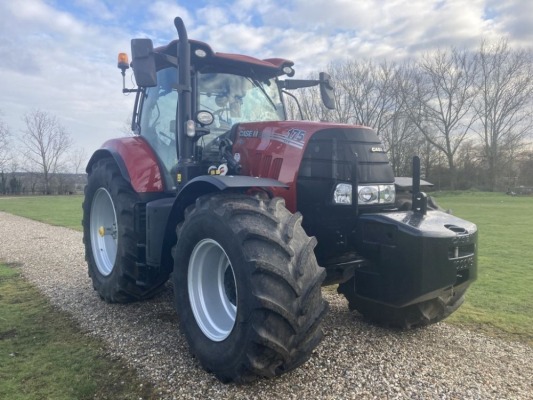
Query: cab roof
224, 62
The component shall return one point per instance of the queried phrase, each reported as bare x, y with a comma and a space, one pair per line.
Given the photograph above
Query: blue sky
60, 56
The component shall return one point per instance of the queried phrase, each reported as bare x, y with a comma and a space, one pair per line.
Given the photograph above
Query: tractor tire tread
120, 286
286, 287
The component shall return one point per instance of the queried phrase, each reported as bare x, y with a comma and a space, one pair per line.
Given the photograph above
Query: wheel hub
212, 290
103, 231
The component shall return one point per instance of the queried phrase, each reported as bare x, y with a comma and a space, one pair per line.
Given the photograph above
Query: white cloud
59, 64
63, 59
235, 38
514, 19
96, 8
213, 17
245, 10
161, 16
39, 15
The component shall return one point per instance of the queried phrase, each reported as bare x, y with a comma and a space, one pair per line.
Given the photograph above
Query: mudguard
137, 162
163, 215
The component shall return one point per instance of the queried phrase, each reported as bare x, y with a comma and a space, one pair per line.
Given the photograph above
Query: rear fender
137, 162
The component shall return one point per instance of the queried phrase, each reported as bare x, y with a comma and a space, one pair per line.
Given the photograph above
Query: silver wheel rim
104, 237
212, 290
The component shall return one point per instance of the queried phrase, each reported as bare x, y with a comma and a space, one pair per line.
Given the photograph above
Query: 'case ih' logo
249, 133
377, 150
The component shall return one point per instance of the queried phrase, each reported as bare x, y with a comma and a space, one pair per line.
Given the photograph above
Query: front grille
331, 152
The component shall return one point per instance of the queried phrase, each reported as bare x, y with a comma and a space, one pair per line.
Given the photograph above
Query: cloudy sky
59, 56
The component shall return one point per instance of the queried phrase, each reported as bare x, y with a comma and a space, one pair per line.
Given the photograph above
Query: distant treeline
32, 183
467, 114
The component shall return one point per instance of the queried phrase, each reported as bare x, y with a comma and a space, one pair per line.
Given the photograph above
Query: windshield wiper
257, 84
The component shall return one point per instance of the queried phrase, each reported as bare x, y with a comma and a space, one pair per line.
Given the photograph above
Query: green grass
43, 355
500, 302
54, 210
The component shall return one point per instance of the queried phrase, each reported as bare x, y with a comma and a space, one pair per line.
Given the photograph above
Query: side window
158, 116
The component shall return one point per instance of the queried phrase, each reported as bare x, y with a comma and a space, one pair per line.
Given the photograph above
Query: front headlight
387, 193
366, 194
343, 194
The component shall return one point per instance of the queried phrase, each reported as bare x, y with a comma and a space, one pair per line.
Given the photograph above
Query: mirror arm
291, 84
201, 131
297, 103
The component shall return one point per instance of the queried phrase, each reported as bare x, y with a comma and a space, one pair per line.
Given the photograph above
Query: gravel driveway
355, 360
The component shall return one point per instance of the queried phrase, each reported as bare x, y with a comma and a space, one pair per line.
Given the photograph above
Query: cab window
158, 116
235, 99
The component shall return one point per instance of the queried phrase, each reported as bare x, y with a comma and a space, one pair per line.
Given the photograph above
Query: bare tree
525, 168
402, 141
439, 100
15, 183
125, 128
396, 130
78, 158
5, 155
469, 164
4, 144
311, 105
504, 104
369, 89
45, 142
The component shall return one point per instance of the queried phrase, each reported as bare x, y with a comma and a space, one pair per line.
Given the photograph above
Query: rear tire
409, 317
110, 239
247, 287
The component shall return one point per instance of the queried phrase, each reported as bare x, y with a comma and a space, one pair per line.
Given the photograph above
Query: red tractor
251, 214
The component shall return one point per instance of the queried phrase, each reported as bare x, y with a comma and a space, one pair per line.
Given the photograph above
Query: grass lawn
501, 300
43, 355
54, 210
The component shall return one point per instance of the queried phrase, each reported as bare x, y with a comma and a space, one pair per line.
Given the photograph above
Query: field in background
501, 300
54, 210
499, 303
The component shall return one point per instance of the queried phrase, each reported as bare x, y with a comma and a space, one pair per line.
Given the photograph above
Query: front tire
110, 239
247, 287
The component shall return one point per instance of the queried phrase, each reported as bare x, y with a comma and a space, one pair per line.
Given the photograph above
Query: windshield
233, 99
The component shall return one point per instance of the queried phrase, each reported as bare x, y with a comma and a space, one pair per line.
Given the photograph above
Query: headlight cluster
367, 194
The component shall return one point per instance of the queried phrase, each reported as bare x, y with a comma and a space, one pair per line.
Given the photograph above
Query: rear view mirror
143, 62
326, 91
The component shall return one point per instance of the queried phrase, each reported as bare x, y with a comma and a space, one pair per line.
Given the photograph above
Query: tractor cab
201, 110
221, 100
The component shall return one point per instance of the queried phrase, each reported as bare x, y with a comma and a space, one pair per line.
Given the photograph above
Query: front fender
169, 212
205, 184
